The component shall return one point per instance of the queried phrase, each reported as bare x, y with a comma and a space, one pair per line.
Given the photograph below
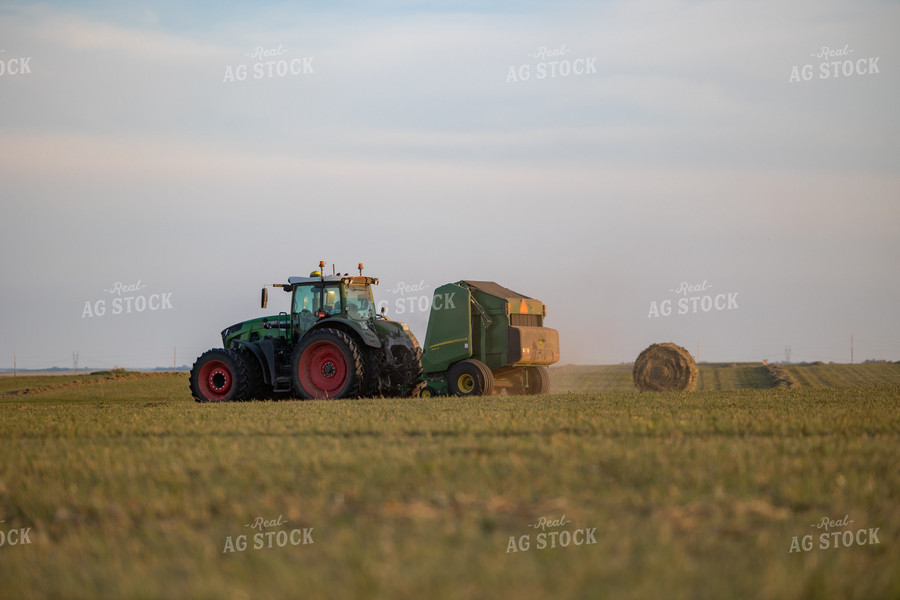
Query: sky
721, 175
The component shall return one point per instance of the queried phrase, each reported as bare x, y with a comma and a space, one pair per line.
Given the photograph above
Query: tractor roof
495, 289
333, 279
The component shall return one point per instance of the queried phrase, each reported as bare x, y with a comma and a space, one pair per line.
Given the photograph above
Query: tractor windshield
360, 305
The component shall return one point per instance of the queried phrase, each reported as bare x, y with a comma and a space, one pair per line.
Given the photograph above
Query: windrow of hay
781, 377
665, 367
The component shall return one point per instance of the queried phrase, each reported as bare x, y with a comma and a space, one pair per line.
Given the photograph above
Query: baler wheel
470, 377
538, 381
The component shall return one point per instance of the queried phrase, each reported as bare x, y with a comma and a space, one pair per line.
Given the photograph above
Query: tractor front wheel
327, 364
218, 376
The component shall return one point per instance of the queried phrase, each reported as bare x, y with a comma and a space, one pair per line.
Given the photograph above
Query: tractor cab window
306, 303
360, 305
331, 300
305, 299
317, 300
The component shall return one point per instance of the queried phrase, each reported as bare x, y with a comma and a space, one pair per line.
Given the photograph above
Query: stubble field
124, 487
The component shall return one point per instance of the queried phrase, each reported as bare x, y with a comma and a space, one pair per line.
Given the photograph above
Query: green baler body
485, 321
449, 328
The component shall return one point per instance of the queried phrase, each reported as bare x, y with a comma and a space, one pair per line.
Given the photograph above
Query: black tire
256, 387
327, 364
218, 376
427, 392
415, 377
488, 379
410, 371
538, 381
470, 377
370, 385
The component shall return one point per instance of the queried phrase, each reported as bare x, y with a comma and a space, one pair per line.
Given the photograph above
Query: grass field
128, 488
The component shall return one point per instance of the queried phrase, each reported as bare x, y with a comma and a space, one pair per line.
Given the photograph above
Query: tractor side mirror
264, 301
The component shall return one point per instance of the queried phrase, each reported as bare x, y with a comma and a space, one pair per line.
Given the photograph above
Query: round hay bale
665, 368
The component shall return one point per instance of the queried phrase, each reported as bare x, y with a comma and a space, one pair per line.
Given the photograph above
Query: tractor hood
254, 329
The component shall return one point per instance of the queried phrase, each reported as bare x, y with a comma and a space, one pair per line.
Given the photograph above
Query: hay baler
482, 338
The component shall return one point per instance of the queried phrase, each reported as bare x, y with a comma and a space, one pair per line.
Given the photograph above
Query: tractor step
282, 384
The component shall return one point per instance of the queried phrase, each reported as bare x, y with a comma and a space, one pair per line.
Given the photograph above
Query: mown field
129, 489
727, 376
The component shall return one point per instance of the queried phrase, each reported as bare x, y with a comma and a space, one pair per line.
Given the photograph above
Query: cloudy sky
595, 155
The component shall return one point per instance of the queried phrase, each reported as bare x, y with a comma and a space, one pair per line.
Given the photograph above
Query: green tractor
332, 344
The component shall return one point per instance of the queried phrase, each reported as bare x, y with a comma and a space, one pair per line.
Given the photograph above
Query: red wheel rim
323, 369
215, 380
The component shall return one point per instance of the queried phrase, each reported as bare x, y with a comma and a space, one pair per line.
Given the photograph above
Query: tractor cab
331, 297
317, 297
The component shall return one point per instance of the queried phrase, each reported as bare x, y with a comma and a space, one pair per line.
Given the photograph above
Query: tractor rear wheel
470, 377
218, 375
327, 364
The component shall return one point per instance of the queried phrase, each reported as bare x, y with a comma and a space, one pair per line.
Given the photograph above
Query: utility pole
14, 364
851, 348
174, 359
